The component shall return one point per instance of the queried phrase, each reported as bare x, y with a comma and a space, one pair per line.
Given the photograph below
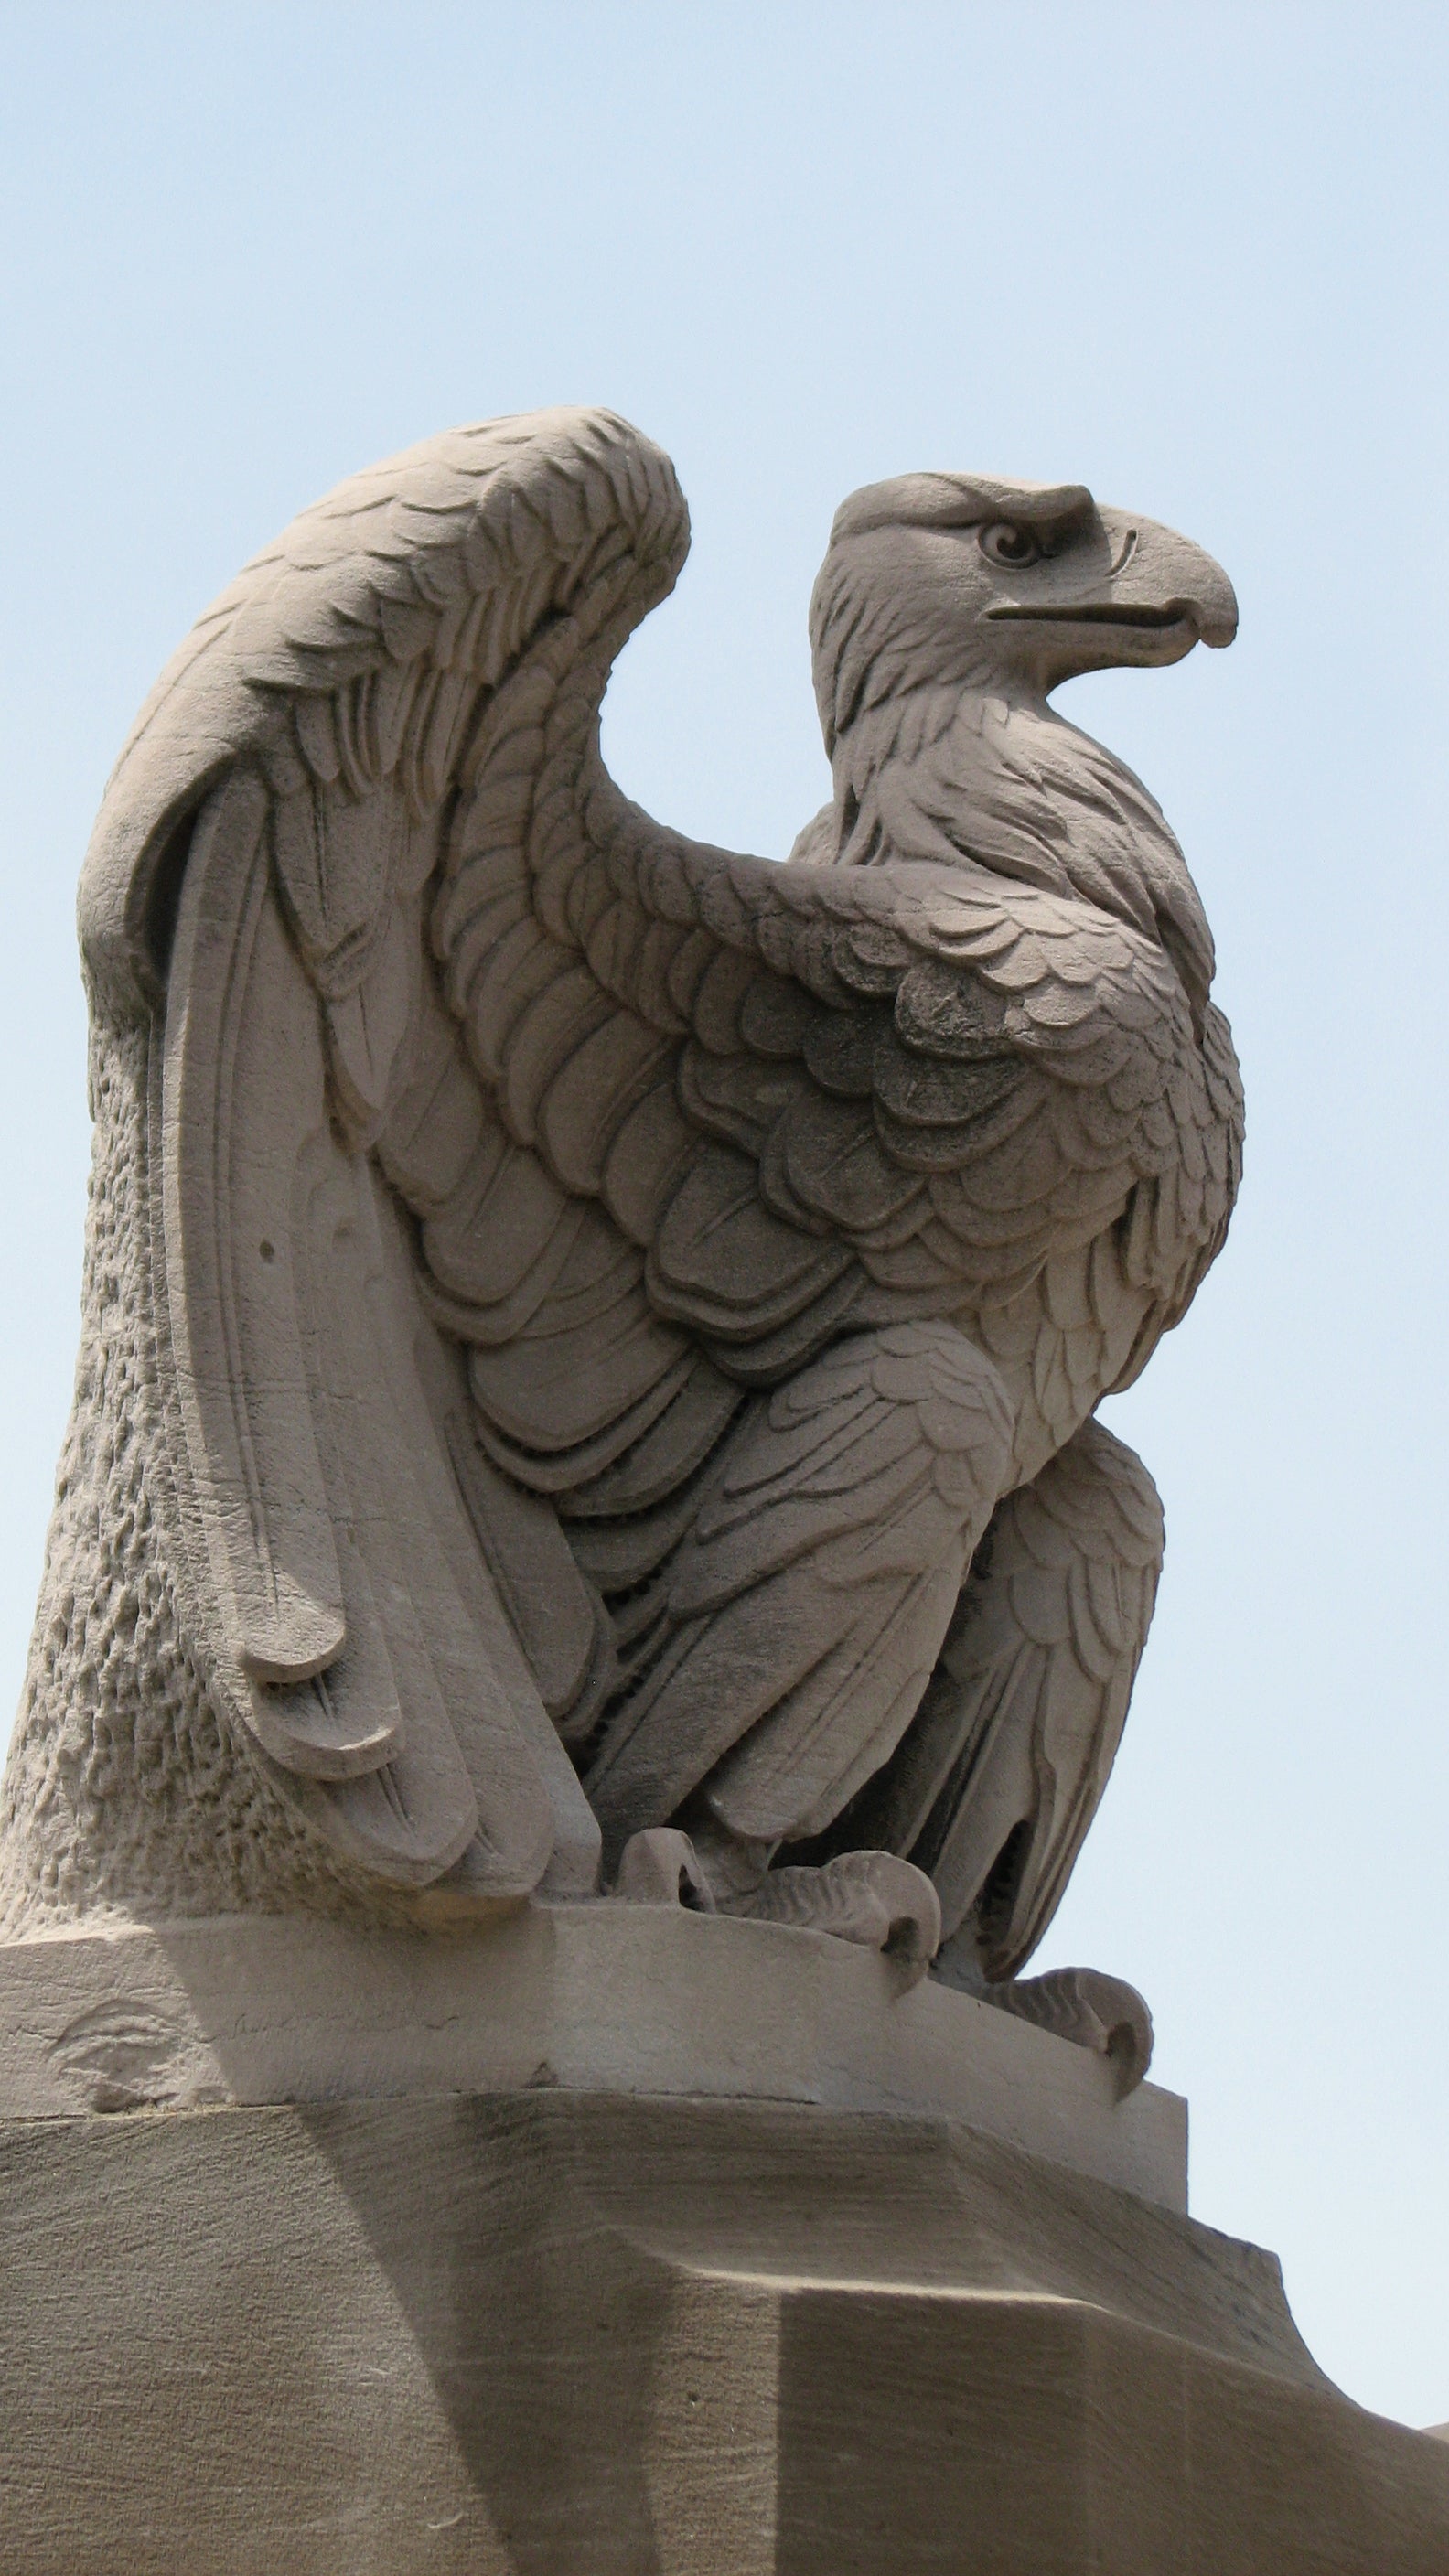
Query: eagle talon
869, 1897
1096, 2011
661, 1867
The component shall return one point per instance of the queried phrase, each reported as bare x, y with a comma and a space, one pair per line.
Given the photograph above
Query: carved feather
642, 1125
1016, 1735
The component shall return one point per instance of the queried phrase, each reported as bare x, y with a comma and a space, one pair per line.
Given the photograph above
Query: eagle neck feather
980, 779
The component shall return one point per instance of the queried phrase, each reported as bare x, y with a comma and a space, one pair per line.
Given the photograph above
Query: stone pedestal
536, 2306
602, 1997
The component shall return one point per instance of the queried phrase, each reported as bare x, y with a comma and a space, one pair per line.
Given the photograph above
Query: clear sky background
1192, 255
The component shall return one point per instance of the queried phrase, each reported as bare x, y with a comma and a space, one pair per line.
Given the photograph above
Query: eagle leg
994, 1784
808, 1601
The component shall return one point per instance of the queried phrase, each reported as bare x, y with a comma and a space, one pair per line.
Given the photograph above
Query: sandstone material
601, 1998
586, 1333
560, 2335
584, 1564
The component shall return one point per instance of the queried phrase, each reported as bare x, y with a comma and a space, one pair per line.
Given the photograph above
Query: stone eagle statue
588, 1335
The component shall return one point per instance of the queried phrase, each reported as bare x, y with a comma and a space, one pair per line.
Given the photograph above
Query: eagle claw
869, 1897
1099, 2012
660, 1866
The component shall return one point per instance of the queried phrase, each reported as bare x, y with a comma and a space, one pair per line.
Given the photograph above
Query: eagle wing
1004, 1765
464, 1055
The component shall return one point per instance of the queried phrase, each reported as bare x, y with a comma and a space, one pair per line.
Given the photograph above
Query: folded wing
1003, 1768
261, 863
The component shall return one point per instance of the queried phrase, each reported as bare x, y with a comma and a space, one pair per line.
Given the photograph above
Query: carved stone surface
553, 2336
589, 1334
626, 1999
583, 1566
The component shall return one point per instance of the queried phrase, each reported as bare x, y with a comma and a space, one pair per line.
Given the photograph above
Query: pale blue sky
1192, 255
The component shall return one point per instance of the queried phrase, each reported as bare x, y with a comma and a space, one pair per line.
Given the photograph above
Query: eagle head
936, 579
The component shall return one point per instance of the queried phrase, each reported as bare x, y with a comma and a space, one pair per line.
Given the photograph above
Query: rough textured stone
590, 1346
556, 2336
589, 1334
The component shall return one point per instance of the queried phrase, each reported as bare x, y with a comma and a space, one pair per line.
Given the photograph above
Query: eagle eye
1006, 543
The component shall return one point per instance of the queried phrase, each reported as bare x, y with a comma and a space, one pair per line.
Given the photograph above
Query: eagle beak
1125, 590
1157, 575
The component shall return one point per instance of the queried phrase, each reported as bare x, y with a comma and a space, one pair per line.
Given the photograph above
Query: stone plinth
554, 2334
598, 1997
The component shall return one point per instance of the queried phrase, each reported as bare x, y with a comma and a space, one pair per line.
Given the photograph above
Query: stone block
558, 2334
601, 1997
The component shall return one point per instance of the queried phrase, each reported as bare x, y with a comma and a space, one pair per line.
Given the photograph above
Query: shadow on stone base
573, 2335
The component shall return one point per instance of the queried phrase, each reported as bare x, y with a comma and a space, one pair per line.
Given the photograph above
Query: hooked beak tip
1215, 610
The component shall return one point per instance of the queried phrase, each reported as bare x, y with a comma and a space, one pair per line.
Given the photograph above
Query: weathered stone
561, 2336
607, 1997
590, 1347
589, 1334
